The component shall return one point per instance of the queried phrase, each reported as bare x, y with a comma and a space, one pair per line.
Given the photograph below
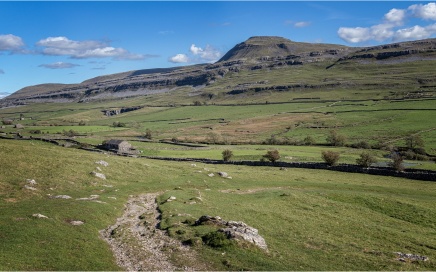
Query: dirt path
139, 245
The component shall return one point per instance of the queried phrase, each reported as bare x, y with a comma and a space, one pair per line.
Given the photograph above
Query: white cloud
301, 24
396, 16
415, 33
197, 55
179, 58
354, 35
59, 65
10, 42
297, 24
427, 12
391, 29
209, 53
62, 46
3, 94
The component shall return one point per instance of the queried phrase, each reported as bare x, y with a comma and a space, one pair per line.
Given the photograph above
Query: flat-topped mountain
256, 65
261, 47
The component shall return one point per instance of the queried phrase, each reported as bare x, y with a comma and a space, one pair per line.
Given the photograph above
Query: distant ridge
258, 53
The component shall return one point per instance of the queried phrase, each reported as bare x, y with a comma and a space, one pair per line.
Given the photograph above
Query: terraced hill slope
263, 68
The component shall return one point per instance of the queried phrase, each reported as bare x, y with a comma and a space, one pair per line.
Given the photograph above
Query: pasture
310, 219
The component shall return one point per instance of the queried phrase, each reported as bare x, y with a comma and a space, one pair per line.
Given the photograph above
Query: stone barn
121, 146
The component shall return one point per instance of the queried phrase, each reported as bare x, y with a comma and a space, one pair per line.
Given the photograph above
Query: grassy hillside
311, 220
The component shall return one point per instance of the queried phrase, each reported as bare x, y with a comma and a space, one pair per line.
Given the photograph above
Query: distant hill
256, 48
256, 66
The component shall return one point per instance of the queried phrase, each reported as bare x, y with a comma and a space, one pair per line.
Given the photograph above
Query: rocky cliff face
257, 53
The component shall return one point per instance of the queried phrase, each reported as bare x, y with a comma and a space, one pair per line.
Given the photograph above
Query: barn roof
115, 142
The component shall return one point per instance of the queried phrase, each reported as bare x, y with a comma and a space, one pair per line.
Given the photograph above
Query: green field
311, 220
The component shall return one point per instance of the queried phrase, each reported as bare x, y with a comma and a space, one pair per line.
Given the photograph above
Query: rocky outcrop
235, 230
111, 112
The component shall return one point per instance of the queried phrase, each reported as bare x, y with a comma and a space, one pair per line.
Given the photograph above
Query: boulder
29, 187
223, 174
31, 181
234, 230
171, 198
102, 163
38, 215
76, 223
211, 175
241, 231
98, 175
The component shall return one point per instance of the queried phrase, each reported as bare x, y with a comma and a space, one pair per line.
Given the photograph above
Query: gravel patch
138, 244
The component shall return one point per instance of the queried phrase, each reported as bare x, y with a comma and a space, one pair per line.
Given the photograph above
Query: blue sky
69, 42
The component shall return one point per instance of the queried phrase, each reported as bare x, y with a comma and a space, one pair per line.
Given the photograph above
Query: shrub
216, 239
148, 134
330, 157
366, 159
272, 155
118, 124
362, 144
336, 139
227, 155
70, 133
309, 140
197, 103
82, 123
397, 161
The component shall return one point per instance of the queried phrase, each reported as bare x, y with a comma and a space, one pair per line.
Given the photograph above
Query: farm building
118, 145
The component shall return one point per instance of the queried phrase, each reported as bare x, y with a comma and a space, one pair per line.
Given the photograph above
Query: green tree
366, 159
272, 155
414, 141
397, 161
148, 134
309, 140
227, 155
336, 139
330, 157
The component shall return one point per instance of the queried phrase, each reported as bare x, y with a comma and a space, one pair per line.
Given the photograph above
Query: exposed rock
171, 198
31, 181
240, 230
30, 187
234, 230
102, 163
223, 174
98, 175
91, 197
98, 168
76, 223
144, 247
403, 257
211, 175
62, 197
38, 215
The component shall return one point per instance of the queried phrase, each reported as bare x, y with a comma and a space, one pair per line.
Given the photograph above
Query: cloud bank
59, 65
392, 27
62, 46
197, 55
11, 43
